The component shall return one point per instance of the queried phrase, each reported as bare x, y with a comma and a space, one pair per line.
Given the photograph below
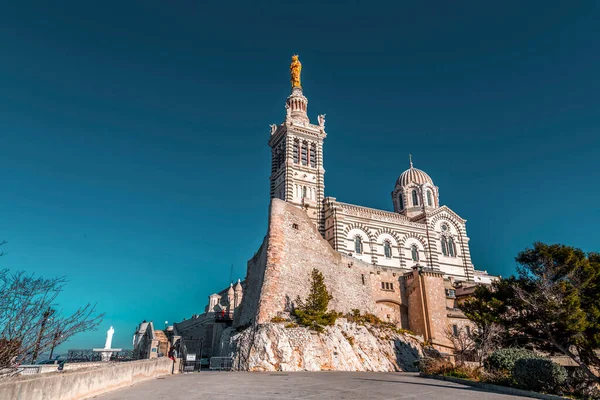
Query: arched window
414, 252
451, 247
401, 201
303, 192
444, 246
313, 155
304, 154
296, 150
429, 202
387, 249
358, 245
415, 198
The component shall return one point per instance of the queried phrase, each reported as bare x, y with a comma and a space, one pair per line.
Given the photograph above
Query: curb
494, 388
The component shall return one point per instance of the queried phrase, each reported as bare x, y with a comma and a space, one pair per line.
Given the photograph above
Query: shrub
291, 325
434, 366
313, 311
366, 318
464, 372
278, 319
504, 359
539, 374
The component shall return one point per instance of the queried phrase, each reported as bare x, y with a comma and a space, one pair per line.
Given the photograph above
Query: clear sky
133, 134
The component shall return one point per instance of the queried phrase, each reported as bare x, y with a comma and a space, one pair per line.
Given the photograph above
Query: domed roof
413, 175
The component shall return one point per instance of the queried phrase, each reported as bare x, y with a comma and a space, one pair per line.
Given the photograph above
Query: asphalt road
299, 385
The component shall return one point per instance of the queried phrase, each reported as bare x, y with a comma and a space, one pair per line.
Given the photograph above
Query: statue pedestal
105, 354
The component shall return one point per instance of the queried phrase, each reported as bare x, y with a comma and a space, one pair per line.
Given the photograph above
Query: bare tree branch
30, 322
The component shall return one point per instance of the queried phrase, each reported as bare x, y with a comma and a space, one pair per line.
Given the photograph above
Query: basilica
420, 231
410, 267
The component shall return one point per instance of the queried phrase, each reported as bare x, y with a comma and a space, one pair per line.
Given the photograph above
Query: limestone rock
344, 347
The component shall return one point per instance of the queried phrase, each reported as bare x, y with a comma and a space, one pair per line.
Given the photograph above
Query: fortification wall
281, 270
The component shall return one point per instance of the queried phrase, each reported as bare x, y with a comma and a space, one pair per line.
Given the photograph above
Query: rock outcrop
346, 346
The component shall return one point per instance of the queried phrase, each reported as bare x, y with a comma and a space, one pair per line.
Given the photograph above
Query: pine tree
313, 311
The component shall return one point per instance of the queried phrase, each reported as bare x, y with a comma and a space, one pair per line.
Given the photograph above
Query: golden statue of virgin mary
295, 69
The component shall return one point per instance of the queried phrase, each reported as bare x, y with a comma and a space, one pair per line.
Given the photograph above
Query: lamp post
45, 316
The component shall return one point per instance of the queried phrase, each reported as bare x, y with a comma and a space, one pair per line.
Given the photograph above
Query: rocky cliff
344, 347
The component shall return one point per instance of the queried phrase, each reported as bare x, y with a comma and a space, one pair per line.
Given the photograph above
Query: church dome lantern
414, 191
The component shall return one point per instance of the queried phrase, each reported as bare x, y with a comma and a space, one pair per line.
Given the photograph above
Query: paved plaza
299, 385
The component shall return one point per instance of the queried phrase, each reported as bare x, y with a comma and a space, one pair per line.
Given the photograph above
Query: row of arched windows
448, 248
278, 156
415, 199
305, 192
304, 154
387, 248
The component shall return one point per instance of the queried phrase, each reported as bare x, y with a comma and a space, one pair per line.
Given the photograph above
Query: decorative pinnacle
410, 160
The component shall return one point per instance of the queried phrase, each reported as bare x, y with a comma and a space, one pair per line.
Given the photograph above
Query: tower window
295, 151
303, 192
451, 247
455, 330
444, 246
415, 198
313, 155
387, 249
401, 201
358, 245
304, 153
429, 201
414, 252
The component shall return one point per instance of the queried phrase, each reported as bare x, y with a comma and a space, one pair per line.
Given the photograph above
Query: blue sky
133, 135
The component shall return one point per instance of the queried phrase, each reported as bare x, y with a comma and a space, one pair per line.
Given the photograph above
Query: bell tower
297, 173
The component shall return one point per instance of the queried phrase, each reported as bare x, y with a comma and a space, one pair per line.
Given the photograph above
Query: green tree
552, 303
312, 312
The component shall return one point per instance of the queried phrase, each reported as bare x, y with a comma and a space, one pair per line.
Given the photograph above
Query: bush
315, 320
291, 325
539, 374
434, 366
278, 319
313, 311
367, 318
442, 366
464, 372
504, 359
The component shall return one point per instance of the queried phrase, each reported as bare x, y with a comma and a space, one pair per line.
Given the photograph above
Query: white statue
273, 128
321, 119
109, 336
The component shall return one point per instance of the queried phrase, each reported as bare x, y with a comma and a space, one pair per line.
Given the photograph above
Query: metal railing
29, 369
221, 363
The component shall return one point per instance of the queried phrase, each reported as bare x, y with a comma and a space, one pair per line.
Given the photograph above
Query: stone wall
427, 306
280, 271
82, 384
